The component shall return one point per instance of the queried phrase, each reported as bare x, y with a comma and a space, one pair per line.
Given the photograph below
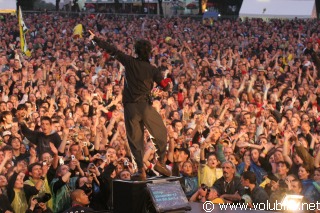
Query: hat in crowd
308, 63
261, 69
191, 125
5, 133
85, 102
198, 112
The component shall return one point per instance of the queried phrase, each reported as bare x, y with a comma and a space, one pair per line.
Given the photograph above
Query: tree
200, 9
57, 5
117, 6
25, 5
225, 6
143, 5
160, 7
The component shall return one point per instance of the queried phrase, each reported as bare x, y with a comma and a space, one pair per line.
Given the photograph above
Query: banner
23, 30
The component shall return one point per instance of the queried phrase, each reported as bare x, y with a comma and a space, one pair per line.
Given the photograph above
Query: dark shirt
259, 195
41, 140
139, 77
21, 157
316, 61
229, 188
78, 209
197, 136
5, 204
308, 51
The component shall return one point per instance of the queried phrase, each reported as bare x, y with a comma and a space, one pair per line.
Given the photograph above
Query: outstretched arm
111, 49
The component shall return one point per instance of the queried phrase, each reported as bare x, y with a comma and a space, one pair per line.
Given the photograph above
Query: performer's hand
92, 35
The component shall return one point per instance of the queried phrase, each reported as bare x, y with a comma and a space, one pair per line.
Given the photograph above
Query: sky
50, 1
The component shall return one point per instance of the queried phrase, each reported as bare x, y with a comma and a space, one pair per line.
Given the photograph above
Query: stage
199, 208
163, 195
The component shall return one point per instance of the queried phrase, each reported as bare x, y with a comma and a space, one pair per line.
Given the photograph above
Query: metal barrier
128, 15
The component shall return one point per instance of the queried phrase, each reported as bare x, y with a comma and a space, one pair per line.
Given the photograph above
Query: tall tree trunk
117, 6
160, 7
200, 7
142, 6
25, 5
57, 5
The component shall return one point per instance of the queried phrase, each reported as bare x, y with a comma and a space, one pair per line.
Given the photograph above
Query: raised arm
111, 49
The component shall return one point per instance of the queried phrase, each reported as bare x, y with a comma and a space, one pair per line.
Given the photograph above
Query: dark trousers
140, 115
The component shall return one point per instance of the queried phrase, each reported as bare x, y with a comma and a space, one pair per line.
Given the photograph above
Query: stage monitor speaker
149, 196
168, 197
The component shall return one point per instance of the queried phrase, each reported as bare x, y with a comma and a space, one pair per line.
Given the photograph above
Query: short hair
75, 194
285, 163
124, 170
229, 162
308, 168
251, 176
299, 183
22, 107
7, 148
212, 154
305, 122
30, 167
143, 49
13, 138
4, 114
46, 118
174, 122
186, 151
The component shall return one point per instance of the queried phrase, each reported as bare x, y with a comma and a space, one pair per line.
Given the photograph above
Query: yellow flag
23, 30
77, 31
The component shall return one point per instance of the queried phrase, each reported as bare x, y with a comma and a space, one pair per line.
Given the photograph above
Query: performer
140, 76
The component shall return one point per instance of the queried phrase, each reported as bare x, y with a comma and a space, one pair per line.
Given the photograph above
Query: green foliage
40, 4
35, 5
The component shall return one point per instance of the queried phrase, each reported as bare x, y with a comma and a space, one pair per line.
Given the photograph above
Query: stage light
291, 202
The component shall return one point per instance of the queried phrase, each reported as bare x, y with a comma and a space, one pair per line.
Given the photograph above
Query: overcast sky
50, 1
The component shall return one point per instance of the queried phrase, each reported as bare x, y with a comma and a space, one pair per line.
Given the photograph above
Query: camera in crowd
205, 187
44, 198
126, 163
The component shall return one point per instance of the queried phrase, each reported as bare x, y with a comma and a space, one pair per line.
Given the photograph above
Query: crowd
242, 114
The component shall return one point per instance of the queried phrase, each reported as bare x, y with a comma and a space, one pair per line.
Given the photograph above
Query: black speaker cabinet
151, 196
